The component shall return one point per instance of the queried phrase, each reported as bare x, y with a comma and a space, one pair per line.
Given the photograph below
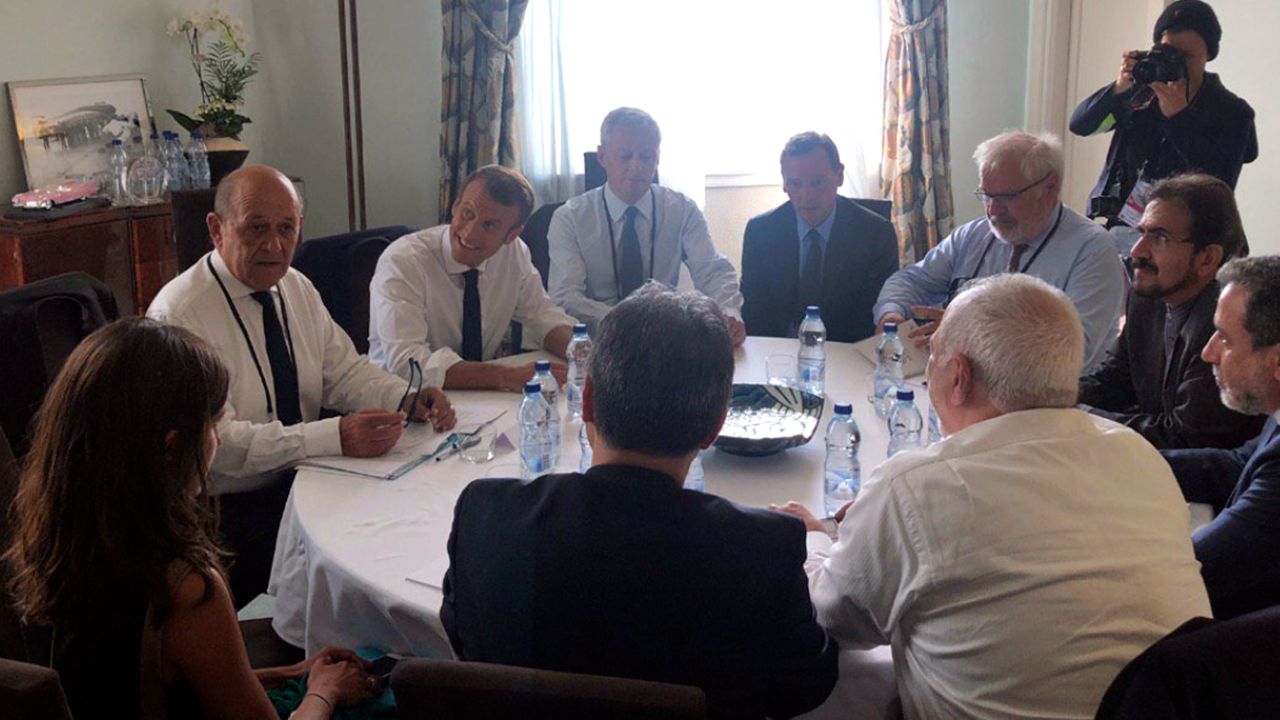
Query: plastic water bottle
535, 433
118, 161
197, 161
579, 352
551, 393
905, 423
584, 443
842, 474
890, 375
175, 163
935, 428
136, 148
695, 479
811, 362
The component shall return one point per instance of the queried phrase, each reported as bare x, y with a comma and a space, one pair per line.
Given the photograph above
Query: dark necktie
632, 275
1015, 260
472, 341
283, 375
811, 275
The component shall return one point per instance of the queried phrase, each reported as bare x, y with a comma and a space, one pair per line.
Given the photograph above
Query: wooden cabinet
130, 249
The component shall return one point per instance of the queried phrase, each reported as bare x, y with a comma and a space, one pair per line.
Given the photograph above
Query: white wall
73, 38
1247, 63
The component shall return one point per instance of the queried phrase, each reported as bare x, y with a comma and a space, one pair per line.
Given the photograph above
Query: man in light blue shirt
1026, 229
607, 242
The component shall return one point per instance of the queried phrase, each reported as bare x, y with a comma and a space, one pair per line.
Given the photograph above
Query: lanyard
284, 310
653, 237
956, 283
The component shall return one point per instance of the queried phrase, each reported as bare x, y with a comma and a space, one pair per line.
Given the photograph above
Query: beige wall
73, 38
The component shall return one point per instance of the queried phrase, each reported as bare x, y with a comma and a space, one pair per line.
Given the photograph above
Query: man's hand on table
737, 331
514, 378
927, 321
811, 522
433, 405
369, 433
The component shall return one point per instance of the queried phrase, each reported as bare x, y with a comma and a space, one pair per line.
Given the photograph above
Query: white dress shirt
256, 446
1015, 567
415, 303
582, 278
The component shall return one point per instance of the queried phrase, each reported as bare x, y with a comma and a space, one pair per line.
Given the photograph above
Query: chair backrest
883, 208
10, 622
190, 231
41, 323
535, 236
467, 690
31, 692
341, 267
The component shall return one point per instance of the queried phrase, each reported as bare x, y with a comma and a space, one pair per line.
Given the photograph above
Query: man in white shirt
1018, 564
607, 242
444, 297
287, 358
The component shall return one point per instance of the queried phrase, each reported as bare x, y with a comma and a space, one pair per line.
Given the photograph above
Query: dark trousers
249, 523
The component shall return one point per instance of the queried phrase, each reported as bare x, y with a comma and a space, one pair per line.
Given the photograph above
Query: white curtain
727, 80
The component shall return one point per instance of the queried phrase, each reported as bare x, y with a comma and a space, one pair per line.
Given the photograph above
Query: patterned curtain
916, 166
478, 115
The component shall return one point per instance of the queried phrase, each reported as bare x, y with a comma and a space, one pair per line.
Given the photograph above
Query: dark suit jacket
1239, 551
1180, 409
861, 254
621, 572
1204, 669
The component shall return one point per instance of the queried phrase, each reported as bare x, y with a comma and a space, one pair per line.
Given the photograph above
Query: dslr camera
1162, 63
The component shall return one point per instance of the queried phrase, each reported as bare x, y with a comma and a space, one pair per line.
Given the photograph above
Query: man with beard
1026, 229
1239, 551
1155, 381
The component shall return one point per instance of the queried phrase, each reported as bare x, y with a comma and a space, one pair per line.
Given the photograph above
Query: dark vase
223, 162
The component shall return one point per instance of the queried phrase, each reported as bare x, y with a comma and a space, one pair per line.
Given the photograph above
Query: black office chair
41, 324
190, 231
31, 692
341, 267
883, 208
481, 691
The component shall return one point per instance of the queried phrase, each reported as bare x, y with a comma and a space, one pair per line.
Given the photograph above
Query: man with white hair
1026, 229
1019, 563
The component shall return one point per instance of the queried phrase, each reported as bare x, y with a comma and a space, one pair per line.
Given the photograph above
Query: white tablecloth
348, 545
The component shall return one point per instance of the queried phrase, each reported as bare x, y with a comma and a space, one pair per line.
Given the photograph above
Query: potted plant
216, 42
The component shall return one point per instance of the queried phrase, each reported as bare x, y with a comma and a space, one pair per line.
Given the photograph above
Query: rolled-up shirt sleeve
397, 319
534, 307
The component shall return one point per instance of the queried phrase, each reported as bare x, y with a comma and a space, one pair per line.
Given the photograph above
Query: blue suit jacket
861, 254
1240, 549
621, 572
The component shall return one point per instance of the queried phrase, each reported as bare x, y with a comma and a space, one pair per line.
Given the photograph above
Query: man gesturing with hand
287, 358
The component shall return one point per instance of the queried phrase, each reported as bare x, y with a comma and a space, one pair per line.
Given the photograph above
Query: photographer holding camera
1169, 116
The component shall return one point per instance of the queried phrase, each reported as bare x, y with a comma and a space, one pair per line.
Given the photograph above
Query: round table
349, 546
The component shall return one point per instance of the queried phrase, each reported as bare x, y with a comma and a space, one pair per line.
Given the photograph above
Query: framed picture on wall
64, 125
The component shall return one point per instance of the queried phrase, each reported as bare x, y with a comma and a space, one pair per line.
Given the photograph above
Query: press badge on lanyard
1131, 213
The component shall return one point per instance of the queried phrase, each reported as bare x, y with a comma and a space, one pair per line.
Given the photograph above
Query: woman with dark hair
114, 567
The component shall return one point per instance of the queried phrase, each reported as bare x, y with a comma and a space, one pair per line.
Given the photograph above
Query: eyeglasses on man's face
1005, 198
1159, 238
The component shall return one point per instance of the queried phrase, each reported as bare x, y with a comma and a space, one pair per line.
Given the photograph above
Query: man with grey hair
1239, 550
1026, 229
1018, 564
606, 242
620, 571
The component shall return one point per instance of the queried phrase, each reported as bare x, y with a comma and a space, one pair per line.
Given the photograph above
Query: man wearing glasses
1026, 229
1154, 380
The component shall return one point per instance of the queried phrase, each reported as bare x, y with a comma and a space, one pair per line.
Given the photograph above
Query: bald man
287, 357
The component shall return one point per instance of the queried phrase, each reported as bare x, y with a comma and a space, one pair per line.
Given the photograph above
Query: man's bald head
255, 224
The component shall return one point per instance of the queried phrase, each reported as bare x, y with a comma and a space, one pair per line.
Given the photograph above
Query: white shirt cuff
321, 438
818, 543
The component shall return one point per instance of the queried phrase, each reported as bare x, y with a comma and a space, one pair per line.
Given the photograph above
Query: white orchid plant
223, 69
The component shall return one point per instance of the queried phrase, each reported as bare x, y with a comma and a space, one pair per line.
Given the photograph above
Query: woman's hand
341, 682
